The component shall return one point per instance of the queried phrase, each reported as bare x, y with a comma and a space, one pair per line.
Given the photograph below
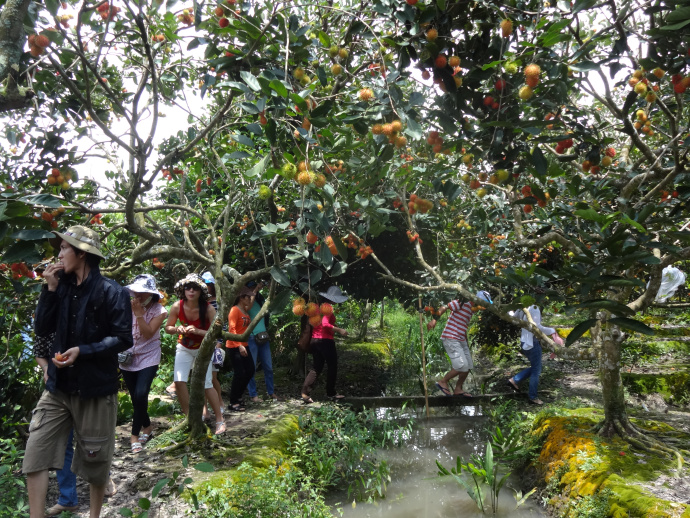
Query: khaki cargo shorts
94, 423
459, 354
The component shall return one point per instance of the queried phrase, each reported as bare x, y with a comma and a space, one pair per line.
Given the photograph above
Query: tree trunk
364, 321
609, 339
197, 390
383, 303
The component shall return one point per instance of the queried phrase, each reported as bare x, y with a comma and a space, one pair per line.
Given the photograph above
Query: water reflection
415, 490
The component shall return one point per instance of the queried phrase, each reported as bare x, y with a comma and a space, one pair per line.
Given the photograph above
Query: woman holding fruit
322, 346
139, 364
195, 315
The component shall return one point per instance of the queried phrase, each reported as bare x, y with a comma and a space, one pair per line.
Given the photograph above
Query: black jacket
103, 328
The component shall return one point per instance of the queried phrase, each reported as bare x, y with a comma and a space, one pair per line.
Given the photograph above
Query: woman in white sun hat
196, 315
139, 364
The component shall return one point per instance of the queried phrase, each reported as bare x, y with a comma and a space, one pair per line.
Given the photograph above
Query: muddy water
416, 491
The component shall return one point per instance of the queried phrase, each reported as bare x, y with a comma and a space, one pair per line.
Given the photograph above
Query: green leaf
251, 81
589, 214
52, 6
145, 503
258, 168
414, 130
608, 305
250, 108
278, 87
205, 467
324, 257
584, 66
157, 488
675, 26
579, 330
32, 234
280, 277
22, 251
279, 302
679, 15
632, 325
539, 161
125, 511
45, 200
581, 5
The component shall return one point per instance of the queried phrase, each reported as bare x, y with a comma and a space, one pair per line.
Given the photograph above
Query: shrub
12, 487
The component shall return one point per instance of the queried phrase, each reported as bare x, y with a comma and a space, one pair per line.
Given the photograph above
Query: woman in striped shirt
454, 338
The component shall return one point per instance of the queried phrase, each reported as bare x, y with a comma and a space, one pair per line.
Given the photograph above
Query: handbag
125, 358
218, 358
261, 338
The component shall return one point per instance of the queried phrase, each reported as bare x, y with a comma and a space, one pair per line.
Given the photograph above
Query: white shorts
184, 360
459, 353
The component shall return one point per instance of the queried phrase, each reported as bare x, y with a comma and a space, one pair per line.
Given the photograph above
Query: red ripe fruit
223, 23
488, 100
312, 238
440, 61
500, 85
426, 75
526, 190
676, 78
326, 309
198, 185
411, 2
527, 208
219, 11
679, 88
42, 41
560, 149
208, 181
610, 152
495, 105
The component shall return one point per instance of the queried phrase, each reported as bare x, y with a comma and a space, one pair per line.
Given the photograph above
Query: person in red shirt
195, 315
454, 338
242, 362
322, 348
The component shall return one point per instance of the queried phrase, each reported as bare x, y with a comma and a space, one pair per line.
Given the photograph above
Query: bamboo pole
421, 338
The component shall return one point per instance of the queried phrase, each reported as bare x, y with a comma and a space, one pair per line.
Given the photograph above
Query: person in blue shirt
260, 347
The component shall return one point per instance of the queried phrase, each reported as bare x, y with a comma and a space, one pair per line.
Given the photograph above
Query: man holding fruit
92, 321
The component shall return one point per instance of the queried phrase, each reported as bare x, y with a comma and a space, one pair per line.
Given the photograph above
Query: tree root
176, 446
639, 439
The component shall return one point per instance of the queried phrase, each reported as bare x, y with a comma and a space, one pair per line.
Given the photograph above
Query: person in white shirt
531, 348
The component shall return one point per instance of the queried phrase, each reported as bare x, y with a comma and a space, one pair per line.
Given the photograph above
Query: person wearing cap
454, 339
195, 315
260, 347
322, 348
211, 286
530, 347
242, 362
92, 321
141, 361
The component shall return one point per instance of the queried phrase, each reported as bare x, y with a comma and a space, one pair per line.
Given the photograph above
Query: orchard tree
500, 135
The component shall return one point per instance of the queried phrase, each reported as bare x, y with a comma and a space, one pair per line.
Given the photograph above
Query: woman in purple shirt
141, 363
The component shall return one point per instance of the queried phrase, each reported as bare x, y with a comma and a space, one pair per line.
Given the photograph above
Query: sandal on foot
58, 509
443, 389
536, 401
237, 407
220, 427
145, 437
513, 386
110, 488
137, 447
337, 397
464, 394
307, 400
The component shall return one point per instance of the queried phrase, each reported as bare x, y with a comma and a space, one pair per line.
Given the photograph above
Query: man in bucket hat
92, 321
454, 338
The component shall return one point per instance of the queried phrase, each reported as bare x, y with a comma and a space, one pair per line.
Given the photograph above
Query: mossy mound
260, 453
579, 467
674, 387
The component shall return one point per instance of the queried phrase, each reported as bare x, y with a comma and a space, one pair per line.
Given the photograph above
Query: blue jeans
261, 352
533, 371
67, 481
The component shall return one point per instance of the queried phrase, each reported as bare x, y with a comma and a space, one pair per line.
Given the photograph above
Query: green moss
261, 453
586, 464
673, 386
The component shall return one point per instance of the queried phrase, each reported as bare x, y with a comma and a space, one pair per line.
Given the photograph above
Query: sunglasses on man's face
192, 287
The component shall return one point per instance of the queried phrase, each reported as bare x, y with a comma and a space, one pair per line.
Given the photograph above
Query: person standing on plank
454, 338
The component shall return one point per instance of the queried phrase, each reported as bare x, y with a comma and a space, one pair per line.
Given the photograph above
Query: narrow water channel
416, 491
